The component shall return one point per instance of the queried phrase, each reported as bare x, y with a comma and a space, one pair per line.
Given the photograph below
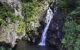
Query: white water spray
49, 16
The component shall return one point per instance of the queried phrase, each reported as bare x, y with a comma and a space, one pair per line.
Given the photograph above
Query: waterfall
49, 16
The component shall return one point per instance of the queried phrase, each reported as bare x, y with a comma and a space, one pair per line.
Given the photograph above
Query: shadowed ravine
39, 24
24, 45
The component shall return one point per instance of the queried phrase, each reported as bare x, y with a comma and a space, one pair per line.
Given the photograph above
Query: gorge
39, 25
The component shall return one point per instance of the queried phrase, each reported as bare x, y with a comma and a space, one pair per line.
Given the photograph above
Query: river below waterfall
24, 45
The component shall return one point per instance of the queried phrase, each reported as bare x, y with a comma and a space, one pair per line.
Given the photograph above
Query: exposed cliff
20, 16
34, 13
12, 22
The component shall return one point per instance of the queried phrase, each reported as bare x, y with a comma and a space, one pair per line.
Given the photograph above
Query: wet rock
55, 32
38, 24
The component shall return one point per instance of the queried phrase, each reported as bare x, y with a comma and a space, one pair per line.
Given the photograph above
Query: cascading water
49, 16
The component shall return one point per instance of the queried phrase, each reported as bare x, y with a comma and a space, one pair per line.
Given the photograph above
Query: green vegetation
7, 14
8, 21
5, 10
67, 5
31, 9
20, 27
71, 39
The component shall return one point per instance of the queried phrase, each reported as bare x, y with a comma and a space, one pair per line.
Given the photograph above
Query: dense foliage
67, 5
7, 16
72, 27
5, 10
31, 9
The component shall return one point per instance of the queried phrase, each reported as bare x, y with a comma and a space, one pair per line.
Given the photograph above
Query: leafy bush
20, 27
6, 10
67, 5
30, 12
72, 29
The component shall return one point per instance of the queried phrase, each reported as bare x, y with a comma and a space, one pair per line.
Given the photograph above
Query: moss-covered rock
33, 11
12, 26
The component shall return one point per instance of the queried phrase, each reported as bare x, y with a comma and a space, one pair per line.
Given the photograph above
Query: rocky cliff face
30, 21
55, 31
35, 23
16, 29
13, 30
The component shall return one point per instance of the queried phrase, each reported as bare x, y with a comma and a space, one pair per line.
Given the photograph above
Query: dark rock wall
55, 31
